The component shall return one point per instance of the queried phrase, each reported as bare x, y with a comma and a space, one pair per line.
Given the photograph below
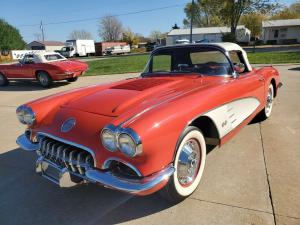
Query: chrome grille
63, 155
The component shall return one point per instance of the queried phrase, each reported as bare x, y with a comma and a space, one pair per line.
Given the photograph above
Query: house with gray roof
281, 31
45, 45
209, 34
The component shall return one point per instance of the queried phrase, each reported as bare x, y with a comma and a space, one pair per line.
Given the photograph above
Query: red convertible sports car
153, 132
45, 67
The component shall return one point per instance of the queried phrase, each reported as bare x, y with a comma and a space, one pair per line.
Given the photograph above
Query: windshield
67, 49
189, 59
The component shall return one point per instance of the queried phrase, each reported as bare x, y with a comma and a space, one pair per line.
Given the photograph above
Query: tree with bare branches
110, 28
80, 35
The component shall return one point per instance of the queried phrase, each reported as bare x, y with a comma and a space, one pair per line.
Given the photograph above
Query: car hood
141, 92
70, 65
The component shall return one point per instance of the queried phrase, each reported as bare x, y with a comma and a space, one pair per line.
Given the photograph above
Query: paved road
254, 179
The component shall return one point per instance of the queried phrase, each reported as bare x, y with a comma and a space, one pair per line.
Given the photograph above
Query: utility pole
192, 18
42, 29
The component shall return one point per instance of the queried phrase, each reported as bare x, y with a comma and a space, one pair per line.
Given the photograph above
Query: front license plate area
52, 172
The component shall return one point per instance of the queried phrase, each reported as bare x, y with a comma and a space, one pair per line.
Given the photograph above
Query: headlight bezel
110, 130
26, 115
118, 132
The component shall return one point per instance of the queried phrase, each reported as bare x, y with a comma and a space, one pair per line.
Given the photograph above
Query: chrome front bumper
64, 177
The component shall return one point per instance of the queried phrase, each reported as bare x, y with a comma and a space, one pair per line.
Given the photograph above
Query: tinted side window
213, 63
234, 56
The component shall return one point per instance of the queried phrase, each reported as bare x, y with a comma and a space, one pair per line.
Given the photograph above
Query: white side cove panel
229, 116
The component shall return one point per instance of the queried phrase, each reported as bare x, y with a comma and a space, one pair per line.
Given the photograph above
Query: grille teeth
66, 156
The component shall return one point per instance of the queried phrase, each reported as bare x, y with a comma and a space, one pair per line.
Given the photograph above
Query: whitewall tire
189, 164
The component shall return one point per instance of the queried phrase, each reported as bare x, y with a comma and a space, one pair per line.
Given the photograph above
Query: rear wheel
44, 79
189, 164
73, 79
3, 80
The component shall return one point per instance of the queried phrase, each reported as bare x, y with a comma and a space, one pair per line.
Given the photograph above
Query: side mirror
239, 67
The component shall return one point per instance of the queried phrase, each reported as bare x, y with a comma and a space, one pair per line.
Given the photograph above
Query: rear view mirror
239, 67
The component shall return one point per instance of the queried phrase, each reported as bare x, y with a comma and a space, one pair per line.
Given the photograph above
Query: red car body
62, 69
158, 108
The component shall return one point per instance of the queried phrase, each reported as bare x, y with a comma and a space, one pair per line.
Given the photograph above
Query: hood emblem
68, 125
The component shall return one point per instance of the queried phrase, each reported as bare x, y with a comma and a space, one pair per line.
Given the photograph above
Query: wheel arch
40, 70
208, 128
273, 82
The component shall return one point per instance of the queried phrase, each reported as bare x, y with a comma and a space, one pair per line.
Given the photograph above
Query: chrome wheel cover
189, 162
269, 104
43, 79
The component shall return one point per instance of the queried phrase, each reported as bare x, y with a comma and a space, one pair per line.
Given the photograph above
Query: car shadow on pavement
296, 69
27, 198
30, 86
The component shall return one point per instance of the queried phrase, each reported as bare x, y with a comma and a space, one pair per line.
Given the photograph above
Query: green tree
226, 12
291, 12
232, 10
253, 22
206, 13
10, 37
130, 37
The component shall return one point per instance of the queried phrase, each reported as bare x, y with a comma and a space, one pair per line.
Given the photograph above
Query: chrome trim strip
26, 144
70, 143
21, 78
133, 186
107, 163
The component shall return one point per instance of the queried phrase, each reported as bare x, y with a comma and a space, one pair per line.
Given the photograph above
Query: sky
27, 15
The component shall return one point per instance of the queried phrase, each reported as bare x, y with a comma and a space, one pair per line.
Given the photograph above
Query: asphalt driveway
254, 179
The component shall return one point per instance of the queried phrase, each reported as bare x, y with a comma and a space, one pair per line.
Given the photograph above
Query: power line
97, 18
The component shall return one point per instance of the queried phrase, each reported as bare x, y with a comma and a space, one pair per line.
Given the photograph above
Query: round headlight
127, 145
108, 139
26, 115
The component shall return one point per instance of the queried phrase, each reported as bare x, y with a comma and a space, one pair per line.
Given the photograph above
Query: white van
117, 50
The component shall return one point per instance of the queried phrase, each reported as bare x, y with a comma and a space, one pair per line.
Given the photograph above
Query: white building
281, 31
46, 45
211, 34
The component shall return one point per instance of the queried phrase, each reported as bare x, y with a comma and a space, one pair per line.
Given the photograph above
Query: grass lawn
274, 57
117, 65
136, 63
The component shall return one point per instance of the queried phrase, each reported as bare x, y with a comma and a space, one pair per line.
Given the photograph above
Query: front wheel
189, 164
44, 79
73, 79
266, 112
